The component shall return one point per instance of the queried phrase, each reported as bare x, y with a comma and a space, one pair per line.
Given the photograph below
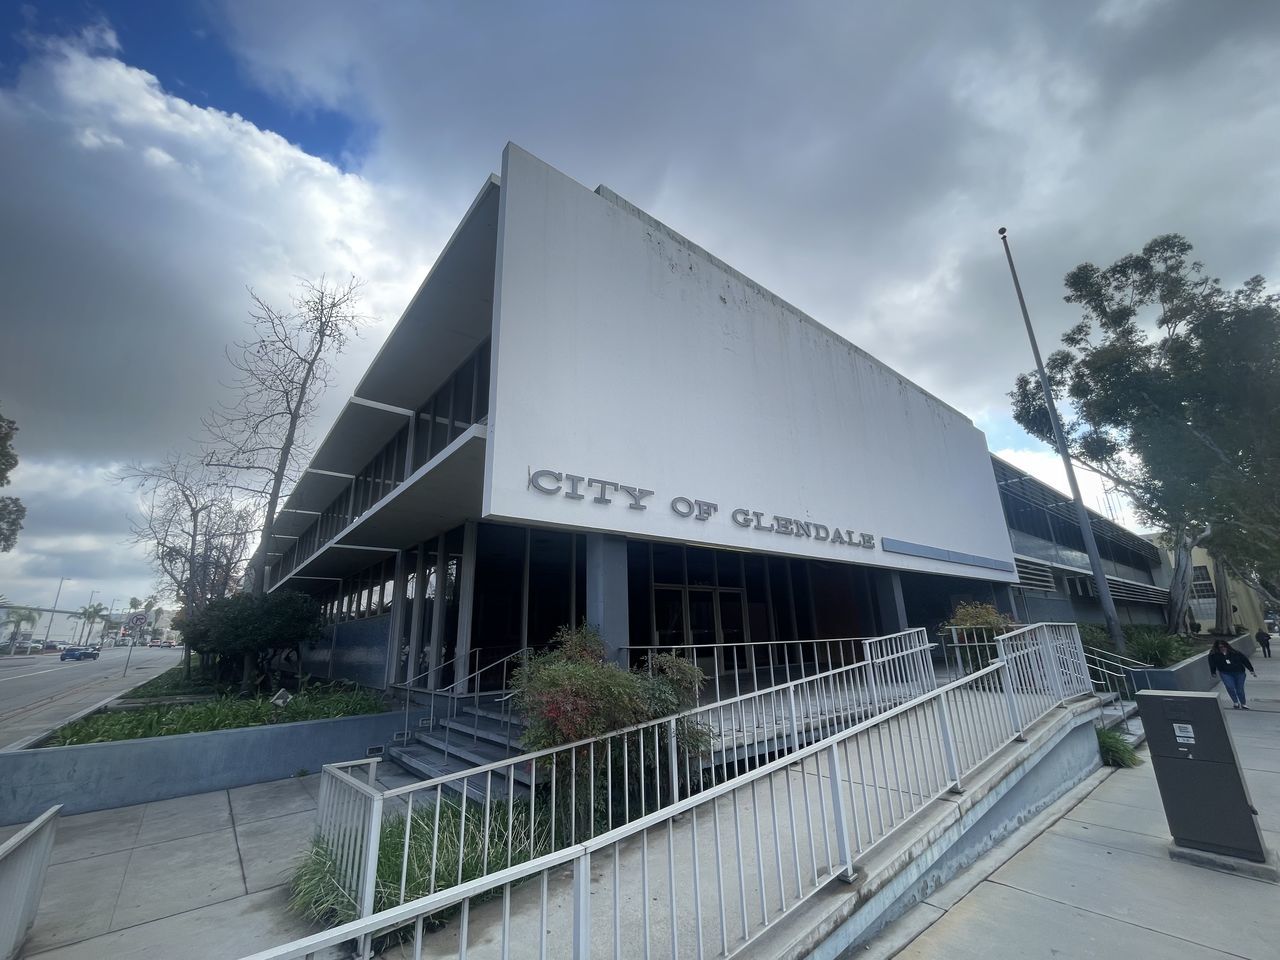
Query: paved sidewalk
198, 878
1099, 885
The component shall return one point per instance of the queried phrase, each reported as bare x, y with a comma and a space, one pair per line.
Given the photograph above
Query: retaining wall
1190, 674
101, 776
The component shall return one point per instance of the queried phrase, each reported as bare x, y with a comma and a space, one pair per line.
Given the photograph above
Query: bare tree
282, 368
197, 535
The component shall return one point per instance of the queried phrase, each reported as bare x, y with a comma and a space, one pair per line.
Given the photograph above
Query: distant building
1054, 579
1247, 606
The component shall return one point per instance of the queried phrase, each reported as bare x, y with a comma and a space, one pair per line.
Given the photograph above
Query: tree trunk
1224, 614
1178, 609
246, 679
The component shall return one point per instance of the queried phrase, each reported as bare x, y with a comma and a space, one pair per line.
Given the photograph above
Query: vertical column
438, 614
466, 603
607, 591
893, 610
399, 584
419, 603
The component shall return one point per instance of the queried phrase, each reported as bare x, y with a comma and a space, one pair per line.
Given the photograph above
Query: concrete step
471, 753
497, 710
428, 762
472, 727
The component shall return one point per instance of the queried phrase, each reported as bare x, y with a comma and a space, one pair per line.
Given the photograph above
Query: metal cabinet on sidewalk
1202, 787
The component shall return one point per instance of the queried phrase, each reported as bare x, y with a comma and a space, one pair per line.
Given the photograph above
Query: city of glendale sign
553, 483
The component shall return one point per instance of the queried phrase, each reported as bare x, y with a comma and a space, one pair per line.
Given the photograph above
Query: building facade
1054, 579
582, 415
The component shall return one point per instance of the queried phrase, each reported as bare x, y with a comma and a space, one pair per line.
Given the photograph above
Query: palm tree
15, 617
90, 615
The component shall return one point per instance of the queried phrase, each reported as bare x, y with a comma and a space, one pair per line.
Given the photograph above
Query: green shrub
1156, 647
1143, 641
979, 615
1115, 750
572, 693
224, 713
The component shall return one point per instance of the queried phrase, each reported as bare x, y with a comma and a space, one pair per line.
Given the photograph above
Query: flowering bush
573, 693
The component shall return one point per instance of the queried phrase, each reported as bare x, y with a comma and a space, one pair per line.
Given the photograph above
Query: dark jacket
1233, 662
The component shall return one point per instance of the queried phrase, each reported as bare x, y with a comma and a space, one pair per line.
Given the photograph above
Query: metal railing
24, 858
544, 800
736, 668
711, 872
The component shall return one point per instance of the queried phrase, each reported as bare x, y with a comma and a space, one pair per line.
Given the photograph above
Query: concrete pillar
607, 592
466, 603
399, 584
415, 625
436, 640
893, 611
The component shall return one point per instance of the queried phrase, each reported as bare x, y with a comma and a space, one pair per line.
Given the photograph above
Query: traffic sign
137, 620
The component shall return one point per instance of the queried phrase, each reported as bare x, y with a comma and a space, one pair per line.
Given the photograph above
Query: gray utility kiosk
1202, 787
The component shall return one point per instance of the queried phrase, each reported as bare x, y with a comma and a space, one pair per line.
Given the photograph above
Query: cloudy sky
856, 158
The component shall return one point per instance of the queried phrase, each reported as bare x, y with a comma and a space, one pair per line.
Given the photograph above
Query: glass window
668, 563
639, 629
550, 584
464, 382
728, 568
497, 622
700, 563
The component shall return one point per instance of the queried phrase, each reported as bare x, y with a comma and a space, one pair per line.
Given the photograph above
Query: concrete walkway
198, 878
1098, 884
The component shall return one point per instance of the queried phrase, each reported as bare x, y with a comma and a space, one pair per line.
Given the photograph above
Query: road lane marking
36, 674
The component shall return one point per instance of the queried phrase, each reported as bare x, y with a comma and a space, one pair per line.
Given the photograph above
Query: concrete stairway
1122, 716
478, 733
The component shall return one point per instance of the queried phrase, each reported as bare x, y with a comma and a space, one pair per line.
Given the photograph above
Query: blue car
79, 653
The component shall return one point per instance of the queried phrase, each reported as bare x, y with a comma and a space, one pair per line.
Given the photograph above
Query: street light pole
49, 626
1082, 514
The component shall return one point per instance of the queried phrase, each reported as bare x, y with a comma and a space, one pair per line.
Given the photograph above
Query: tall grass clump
1115, 749
442, 853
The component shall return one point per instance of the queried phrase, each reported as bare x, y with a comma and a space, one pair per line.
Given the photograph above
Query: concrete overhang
449, 316
439, 496
361, 430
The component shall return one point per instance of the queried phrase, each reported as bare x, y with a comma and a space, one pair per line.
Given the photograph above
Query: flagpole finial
1001, 231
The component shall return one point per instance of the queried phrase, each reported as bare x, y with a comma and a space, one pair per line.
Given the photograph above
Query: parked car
168, 644
79, 653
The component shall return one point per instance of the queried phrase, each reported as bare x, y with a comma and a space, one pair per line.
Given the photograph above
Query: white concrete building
582, 414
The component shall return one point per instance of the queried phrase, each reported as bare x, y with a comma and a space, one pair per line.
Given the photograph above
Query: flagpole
1082, 514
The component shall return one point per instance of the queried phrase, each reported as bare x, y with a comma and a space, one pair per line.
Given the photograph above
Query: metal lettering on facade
571, 486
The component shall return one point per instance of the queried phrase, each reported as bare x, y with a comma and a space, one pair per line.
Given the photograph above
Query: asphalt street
39, 692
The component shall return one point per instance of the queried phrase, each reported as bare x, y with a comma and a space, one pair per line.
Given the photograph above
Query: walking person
1264, 641
1230, 664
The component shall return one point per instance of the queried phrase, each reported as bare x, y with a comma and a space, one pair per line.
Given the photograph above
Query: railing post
949, 755
582, 907
672, 762
843, 844
1010, 699
1051, 665
795, 720
871, 677
370, 877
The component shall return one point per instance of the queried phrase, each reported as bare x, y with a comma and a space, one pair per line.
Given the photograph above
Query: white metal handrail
590, 785
738, 855
780, 660
24, 858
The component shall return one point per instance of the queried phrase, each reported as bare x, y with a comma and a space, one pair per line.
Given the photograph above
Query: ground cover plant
1148, 643
223, 713
173, 683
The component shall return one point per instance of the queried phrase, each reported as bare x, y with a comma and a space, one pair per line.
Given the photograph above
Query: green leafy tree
17, 617
254, 626
1170, 388
12, 512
